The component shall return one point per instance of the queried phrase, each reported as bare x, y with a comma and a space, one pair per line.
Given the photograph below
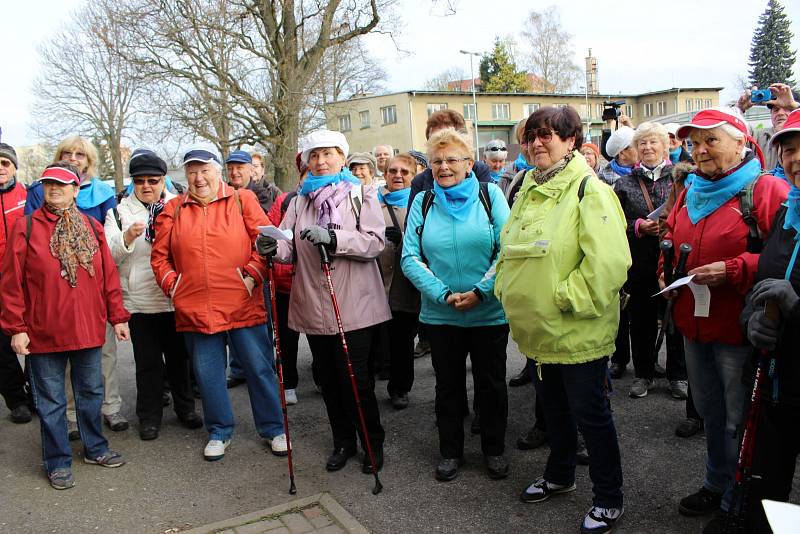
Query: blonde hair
519, 130
449, 137
78, 143
258, 156
646, 129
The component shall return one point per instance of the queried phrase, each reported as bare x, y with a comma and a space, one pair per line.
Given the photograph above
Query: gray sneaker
109, 459
61, 479
640, 387
116, 422
679, 389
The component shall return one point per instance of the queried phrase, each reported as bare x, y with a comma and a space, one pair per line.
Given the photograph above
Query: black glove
778, 290
762, 331
394, 234
266, 245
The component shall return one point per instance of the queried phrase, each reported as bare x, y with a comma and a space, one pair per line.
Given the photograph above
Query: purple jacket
354, 270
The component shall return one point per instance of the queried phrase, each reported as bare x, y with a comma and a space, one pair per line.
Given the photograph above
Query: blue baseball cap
239, 156
200, 155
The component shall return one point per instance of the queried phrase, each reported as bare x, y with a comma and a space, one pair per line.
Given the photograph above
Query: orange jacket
201, 257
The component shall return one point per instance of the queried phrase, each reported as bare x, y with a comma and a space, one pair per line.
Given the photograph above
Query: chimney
592, 87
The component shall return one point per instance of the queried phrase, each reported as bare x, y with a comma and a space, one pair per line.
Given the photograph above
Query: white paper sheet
676, 284
276, 233
783, 517
653, 215
702, 299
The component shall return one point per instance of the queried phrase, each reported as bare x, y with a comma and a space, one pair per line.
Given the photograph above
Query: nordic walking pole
668, 252
326, 269
279, 364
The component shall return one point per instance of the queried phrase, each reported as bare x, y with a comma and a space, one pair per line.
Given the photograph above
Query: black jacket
265, 191
772, 263
424, 180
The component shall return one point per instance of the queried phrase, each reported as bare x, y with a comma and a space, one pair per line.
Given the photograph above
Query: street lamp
474, 98
588, 113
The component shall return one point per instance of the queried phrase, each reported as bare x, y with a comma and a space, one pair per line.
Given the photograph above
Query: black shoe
165, 400
718, 524
400, 401
497, 467
534, 439
447, 469
366, 465
616, 370
338, 458
475, 427
703, 502
582, 456
688, 427
21, 414
659, 371
520, 379
233, 381
148, 433
191, 420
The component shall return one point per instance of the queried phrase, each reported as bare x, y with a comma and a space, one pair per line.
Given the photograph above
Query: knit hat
593, 147
619, 141
146, 163
363, 158
322, 139
7, 151
421, 158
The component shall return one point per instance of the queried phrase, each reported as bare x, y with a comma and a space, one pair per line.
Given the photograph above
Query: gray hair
391, 149
646, 129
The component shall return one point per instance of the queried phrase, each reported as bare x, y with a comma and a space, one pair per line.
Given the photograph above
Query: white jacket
140, 293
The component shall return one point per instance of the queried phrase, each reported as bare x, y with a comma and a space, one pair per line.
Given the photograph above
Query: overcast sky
685, 43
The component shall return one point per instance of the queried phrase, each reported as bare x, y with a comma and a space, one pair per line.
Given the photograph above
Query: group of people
557, 249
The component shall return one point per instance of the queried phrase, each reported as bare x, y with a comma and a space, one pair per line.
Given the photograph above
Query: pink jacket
354, 269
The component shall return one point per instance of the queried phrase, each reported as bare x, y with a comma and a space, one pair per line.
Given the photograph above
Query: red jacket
37, 300
12, 206
722, 236
283, 271
201, 259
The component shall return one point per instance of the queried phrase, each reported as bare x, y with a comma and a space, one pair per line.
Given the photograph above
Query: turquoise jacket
461, 257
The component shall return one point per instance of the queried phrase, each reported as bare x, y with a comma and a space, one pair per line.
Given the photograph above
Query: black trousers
401, 330
158, 350
12, 379
775, 457
486, 346
330, 369
289, 341
622, 352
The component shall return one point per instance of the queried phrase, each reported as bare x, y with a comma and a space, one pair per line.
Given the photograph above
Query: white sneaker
291, 397
601, 520
278, 445
215, 449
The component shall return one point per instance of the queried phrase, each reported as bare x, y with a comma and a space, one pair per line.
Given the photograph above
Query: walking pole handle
680, 269
668, 251
323, 254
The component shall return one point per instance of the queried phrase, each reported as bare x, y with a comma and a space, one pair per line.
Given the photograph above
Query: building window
500, 111
344, 123
364, 117
647, 109
661, 108
433, 108
584, 112
698, 104
598, 110
529, 109
688, 104
389, 115
629, 110
469, 112
708, 103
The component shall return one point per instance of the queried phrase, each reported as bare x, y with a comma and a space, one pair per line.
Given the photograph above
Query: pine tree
771, 56
499, 72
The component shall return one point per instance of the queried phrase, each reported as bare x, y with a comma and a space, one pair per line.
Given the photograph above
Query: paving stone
258, 527
297, 523
313, 512
321, 521
330, 529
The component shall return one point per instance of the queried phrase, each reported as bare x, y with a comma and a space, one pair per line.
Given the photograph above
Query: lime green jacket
562, 262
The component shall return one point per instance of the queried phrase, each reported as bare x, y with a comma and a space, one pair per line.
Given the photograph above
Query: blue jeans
237, 371
47, 374
575, 397
255, 354
715, 375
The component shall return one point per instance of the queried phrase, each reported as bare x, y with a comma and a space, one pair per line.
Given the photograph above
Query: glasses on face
496, 149
545, 135
450, 161
5, 163
70, 155
395, 170
148, 181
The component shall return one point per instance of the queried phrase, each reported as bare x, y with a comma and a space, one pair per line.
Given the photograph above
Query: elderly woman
449, 255
640, 193
591, 153
622, 151
334, 211
203, 258
363, 166
59, 256
494, 155
130, 229
778, 281
566, 237
723, 227
403, 297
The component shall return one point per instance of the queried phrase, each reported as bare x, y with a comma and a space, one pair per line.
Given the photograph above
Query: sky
639, 47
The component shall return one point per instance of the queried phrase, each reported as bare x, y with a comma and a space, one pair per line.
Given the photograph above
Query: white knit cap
619, 141
322, 139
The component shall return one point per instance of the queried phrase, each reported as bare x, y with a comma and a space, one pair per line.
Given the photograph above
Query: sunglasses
149, 181
545, 135
496, 149
5, 163
68, 154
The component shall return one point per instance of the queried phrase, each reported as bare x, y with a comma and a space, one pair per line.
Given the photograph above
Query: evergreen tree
771, 56
499, 73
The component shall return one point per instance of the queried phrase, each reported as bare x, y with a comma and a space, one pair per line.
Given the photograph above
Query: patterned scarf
542, 176
154, 209
326, 199
72, 242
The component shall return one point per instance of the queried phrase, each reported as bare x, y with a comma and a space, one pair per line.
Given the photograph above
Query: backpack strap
754, 240
486, 200
355, 203
117, 218
286, 201
582, 187
427, 202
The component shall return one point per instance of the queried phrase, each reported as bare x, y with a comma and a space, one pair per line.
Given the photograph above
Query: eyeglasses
545, 135
450, 161
149, 181
394, 170
6, 163
77, 155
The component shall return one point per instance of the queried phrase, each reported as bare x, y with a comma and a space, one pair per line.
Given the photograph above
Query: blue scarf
779, 172
620, 169
521, 164
396, 198
793, 213
459, 198
312, 183
92, 193
675, 155
495, 176
704, 196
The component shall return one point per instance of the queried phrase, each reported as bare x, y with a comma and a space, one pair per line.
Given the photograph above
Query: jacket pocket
241, 277
538, 249
174, 291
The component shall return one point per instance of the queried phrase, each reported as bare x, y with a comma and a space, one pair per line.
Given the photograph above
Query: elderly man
241, 174
382, 153
784, 103
364, 166
12, 204
495, 154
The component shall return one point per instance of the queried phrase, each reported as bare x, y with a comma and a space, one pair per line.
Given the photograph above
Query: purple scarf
326, 200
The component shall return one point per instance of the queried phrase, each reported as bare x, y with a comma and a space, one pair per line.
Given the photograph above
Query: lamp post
588, 113
474, 98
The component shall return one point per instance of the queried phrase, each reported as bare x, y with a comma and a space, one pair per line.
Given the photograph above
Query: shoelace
604, 513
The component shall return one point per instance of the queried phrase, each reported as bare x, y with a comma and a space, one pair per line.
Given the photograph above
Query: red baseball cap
791, 125
712, 118
61, 175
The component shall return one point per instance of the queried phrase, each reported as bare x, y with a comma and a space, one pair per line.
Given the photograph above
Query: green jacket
562, 262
